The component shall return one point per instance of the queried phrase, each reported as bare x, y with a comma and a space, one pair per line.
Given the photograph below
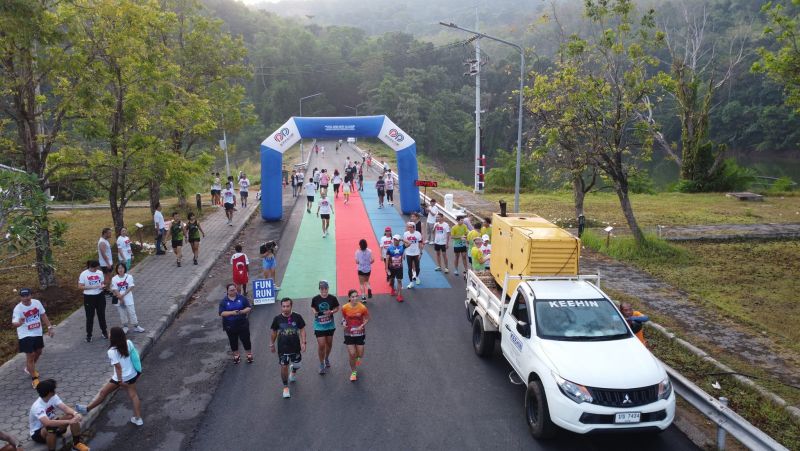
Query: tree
782, 64
23, 217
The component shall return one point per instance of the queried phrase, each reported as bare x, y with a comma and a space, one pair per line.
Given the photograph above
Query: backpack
134, 355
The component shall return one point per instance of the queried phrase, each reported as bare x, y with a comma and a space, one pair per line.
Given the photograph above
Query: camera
269, 246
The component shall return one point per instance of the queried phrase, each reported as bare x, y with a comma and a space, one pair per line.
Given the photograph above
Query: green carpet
313, 259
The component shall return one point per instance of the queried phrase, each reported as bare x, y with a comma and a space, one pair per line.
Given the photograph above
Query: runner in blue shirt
324, 306
394, 266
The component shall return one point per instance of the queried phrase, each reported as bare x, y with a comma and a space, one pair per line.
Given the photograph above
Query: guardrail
304, 165
726, 419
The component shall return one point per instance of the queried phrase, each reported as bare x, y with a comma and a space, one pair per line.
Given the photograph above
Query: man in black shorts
324, 305
289, 329
29, 317
394, 266
45, 425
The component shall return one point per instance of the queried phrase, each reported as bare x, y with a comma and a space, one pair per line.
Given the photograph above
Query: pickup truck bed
485, 294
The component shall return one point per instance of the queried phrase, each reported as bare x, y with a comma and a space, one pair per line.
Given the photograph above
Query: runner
324, 305
369, 159
337, 182
177, 231
216, 190
476, 255
324, 180
412, 240
441, 239
346, 193
430, 220
241, 269
46, 426
229, 199
233, 309
311, 190
361, 180
122, 288
459, 235
394, 266
91, 281
389, 187
385, 241
104, 256
364, 261
244, 185
355, 317
289, 329
317, 174
324, 211
194, 230
380, 185
471, 235
322, 151
161, 230
124, 358
268, 261
124, 251
28, 317
486, 249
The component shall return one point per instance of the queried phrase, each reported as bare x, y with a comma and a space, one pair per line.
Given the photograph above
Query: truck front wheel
537, 413
482, 341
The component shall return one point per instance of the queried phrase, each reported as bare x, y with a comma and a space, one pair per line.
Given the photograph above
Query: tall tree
782, 64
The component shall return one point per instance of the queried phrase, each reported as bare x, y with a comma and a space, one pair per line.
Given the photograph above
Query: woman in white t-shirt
324, 211
364, 261
122, 288
124, 375
92, 281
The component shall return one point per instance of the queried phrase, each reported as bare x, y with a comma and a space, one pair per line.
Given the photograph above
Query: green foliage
730, 177
640, 182
782, 185
651, 250
782, 64
501, 178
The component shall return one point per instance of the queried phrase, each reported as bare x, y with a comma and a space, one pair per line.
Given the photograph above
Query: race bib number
356, 332
397, 261
324, 319
36, 325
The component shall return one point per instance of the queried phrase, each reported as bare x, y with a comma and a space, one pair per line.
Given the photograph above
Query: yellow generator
530, 245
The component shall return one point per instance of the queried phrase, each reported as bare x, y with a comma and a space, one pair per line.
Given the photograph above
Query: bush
782, 185
625, 248
729, 177
502, 177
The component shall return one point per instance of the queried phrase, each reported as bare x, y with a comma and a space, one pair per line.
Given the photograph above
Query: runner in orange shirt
355, 317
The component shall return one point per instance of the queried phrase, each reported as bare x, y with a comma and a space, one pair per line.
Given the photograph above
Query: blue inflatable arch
289, 134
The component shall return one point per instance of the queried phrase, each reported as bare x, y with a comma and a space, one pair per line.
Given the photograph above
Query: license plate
628, 417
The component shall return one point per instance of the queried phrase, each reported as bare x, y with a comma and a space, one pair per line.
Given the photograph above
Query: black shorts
366, 274
194, 240
460, 249
286, 359
228, 206
37, 434
31, 344
243, 194
325, 187
395, 273
358, 341
106, 269
325, 216
129, 381
310, 198
215, 192
335, 187
177, 243
324, 333
440, 247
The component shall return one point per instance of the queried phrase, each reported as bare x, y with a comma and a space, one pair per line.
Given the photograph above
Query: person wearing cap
386, 241
471, 235
394, 266
324, 305
476, 255
28, 317
412, 240
486, 249
459, 235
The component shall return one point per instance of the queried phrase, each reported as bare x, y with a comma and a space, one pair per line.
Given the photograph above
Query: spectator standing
389, 187
289, 330
216, 190
486, 227
161, 230
46, 426
364, 261
28, 317
430, 220
355, 317
324, 305
476, 255
194, 232
233, 309
244, 185
91, 281
122, 288
486, 250
294, 183
441, 240
177, 232
415, 218
124, 250
229, 200
635, 319
104, 255
459, 235
241, 269
124, 358
385, 242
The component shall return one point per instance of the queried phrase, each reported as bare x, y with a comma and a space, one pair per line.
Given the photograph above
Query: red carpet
353, 224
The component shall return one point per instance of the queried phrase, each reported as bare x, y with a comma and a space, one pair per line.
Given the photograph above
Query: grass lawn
660, 209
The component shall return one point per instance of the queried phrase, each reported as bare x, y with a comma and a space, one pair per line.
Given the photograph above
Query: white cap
396, 237
411, 224
485, 238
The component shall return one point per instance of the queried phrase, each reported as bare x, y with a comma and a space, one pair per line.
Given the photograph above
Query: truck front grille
624, 398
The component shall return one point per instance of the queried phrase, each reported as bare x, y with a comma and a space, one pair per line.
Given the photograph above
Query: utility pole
478, 179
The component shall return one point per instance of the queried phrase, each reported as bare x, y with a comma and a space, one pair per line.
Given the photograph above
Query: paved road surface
421, 386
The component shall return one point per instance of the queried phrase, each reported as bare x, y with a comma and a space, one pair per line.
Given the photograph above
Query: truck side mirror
524, 329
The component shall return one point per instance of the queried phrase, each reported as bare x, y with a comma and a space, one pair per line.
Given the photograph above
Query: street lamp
355, 108
301, 115
521, 87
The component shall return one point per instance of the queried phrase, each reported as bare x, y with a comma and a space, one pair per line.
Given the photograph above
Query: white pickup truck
584, 369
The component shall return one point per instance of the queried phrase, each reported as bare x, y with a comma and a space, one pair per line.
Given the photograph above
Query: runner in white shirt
311, 190
413, 241
28, 317
244, 184
487, 250
441, 239
324, 211
122, 287
389, 187
91, 281
161, 230
385, 241
124, 251
229, 200
430, 220
45, 426
216, 189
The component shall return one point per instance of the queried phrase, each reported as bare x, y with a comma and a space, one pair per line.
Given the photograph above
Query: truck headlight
573, 391
664, 388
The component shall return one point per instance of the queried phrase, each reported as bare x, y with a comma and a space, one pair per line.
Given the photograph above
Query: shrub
625, 248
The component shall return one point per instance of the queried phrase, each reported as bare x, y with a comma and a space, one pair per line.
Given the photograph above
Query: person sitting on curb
45, 426
635, 320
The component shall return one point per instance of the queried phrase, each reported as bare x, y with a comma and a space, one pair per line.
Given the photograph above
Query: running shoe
138, 329
81, 409
399, 298
34, 382
105, 335
286, 393
35, 373
394, 293
410, 285
418, 282
249, 358
353, 376
194, 260
455, 272
137, 421
446, 270
322, 369
438, 268
179, 263
327, 363
125, 329
88, 339
79, 447
292, 376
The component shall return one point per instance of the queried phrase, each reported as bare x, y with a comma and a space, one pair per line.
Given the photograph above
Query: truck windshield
579, 320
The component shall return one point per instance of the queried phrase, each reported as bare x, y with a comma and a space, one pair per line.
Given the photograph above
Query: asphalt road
420, 386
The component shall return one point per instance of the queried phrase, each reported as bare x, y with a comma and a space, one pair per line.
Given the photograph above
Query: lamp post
301, 115
354, 108
521, 87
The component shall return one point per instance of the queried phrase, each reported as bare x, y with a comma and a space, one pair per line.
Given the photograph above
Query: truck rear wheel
537, 413
482, 341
